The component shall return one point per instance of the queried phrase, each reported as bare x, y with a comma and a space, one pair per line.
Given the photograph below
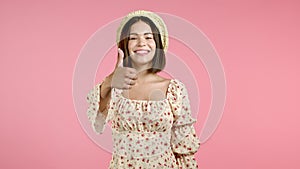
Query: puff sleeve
184, 141
97, 119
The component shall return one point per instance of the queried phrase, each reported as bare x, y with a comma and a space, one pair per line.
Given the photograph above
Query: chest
153, 92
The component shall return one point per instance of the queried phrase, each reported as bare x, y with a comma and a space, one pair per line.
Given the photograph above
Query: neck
141, 68
142, 73
144, 76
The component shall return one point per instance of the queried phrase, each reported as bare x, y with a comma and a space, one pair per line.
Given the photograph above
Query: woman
151, 119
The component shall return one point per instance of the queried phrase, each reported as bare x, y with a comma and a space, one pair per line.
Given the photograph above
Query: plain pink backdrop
257, 41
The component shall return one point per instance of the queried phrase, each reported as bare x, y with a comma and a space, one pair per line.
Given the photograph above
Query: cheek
152, 44
130, 46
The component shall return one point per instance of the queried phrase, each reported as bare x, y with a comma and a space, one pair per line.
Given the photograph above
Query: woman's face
141, 45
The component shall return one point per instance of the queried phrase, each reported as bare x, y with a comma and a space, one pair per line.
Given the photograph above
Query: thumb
120, 58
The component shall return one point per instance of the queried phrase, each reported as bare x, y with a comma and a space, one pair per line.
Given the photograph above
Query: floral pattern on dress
148, 134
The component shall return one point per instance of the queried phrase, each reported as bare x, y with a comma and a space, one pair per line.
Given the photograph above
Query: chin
142, 60
144, 64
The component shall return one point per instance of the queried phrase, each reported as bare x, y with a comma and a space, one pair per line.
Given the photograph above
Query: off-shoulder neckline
151, 101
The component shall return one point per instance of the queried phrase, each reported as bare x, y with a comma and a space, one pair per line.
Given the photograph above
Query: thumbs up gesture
123, 77
120, 58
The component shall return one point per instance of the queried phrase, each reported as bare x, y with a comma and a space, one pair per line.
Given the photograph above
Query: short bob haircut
159, 59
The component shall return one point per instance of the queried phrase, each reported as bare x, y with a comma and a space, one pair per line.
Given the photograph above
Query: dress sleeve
184, 141
97, 119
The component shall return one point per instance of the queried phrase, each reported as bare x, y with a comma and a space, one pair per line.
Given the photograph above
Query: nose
141, 41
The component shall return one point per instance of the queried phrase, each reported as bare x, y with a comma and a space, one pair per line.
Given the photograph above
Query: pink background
258, 43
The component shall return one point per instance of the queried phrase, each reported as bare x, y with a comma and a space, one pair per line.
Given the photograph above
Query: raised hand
123, 77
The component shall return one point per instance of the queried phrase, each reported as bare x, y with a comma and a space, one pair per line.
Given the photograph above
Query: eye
132, 38
149, 36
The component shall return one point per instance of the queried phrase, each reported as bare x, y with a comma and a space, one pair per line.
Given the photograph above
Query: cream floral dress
148, 134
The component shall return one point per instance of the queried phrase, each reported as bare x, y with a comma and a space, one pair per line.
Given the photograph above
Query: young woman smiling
151, 118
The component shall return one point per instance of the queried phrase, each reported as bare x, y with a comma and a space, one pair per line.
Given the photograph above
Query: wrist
105, 86
107, 81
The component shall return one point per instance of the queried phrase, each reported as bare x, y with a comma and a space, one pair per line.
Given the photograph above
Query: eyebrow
147, 33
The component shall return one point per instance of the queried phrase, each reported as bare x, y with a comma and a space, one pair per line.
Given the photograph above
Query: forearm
105, 93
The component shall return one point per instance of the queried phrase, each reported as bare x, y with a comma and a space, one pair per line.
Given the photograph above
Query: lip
141, 51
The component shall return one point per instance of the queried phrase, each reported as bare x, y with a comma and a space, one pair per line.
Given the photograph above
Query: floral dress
147, 133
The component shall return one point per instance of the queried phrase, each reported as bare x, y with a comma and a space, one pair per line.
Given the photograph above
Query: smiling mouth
142, 52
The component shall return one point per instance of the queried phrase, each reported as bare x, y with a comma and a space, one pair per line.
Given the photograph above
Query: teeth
141, 51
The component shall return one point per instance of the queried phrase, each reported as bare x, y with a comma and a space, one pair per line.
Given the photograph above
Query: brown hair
159, 59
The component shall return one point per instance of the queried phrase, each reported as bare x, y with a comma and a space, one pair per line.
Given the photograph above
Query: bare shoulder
162, 81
